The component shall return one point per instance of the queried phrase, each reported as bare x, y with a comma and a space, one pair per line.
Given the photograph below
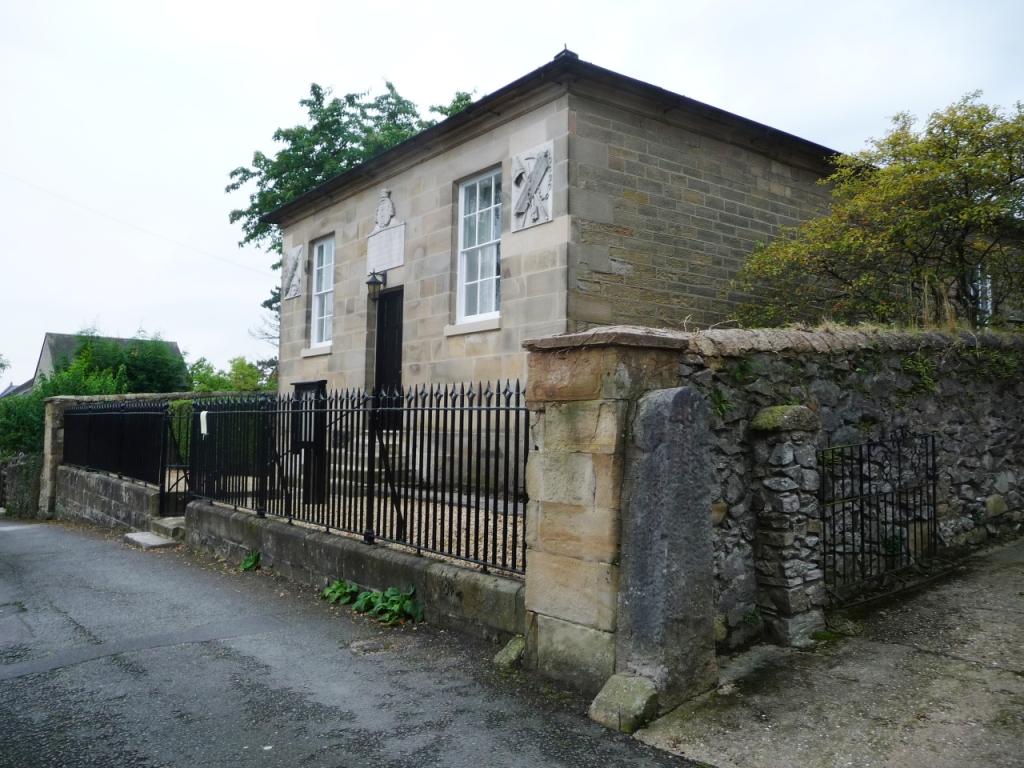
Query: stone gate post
619, 566
790, 586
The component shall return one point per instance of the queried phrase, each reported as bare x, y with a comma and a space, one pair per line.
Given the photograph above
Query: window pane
485, 193
483, 228
469, 231
497, 189
472, 266
486, 296
496, 231
470, 303
488, 257
327, 328
469, 198
497, 294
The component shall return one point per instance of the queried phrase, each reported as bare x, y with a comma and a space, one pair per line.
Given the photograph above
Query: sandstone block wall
454, 597
105, 500
424, 191
664, 213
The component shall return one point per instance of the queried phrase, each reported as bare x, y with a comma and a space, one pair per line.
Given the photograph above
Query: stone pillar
53, 453
790, 586
666, 631
580, 396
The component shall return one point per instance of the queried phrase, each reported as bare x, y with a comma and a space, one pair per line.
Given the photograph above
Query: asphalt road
114, 657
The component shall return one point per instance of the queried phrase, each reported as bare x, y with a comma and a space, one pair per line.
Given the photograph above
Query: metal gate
877, 504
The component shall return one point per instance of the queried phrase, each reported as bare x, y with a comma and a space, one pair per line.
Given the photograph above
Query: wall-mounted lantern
375, 283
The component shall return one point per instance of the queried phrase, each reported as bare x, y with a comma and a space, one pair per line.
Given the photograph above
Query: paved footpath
115, 657
934, 680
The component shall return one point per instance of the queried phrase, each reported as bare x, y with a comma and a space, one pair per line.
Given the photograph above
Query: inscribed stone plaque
293, 272
385, 249
532, 173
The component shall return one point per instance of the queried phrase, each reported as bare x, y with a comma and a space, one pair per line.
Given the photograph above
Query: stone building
570, 198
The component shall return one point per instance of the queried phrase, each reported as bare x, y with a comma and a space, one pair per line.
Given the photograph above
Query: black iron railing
3, 486
440, 469
878, 509
133, 439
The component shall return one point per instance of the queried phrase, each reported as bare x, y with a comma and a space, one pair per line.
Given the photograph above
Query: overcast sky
121, 120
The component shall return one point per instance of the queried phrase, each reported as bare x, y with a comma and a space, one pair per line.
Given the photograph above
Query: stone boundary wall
104, 499
454, 597
966, 389
22, 477
53, 435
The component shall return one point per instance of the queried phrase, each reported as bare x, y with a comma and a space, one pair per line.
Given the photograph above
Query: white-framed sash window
479, 276
322, 313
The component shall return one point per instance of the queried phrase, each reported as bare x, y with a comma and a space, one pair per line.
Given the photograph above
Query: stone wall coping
67, 399
734, 342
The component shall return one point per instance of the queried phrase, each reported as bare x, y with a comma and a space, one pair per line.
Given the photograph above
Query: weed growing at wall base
392, 606
250, 562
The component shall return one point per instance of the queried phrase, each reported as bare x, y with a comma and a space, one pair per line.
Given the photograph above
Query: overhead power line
84, 206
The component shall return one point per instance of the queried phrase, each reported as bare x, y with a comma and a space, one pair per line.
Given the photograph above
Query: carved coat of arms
531, 186
294, 272
385, 211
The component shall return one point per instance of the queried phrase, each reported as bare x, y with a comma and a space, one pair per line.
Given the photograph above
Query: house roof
63, 346
565, 65
17, 389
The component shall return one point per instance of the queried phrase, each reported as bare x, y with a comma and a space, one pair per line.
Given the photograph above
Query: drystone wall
966, 390
21, 474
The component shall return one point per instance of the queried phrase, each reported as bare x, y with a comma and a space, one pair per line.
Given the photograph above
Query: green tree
241, 376
339, 134
22, 416
147, 364
925, 227
206, 378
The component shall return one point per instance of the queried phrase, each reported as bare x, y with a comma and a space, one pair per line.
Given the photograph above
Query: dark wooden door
388, 362
388, 371
309, 438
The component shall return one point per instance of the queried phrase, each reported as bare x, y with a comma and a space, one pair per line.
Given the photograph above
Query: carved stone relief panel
294, 272
532, 173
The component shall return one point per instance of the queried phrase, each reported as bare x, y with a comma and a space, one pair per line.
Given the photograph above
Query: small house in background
571, 198
60, 349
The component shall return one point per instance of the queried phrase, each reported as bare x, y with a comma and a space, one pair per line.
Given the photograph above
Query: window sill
473, 326
324, 349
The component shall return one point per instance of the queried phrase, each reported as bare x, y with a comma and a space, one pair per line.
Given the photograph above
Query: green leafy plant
250, 562
341, 591
742, 372
924, 229
923, 369
392, 606
720, 403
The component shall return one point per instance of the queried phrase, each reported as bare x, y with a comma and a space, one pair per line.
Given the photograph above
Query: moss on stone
785, 418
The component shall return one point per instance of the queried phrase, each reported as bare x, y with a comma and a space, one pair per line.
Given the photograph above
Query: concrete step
168, 527
146, 540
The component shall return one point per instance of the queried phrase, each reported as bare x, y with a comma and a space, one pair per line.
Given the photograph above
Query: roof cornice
565, 64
